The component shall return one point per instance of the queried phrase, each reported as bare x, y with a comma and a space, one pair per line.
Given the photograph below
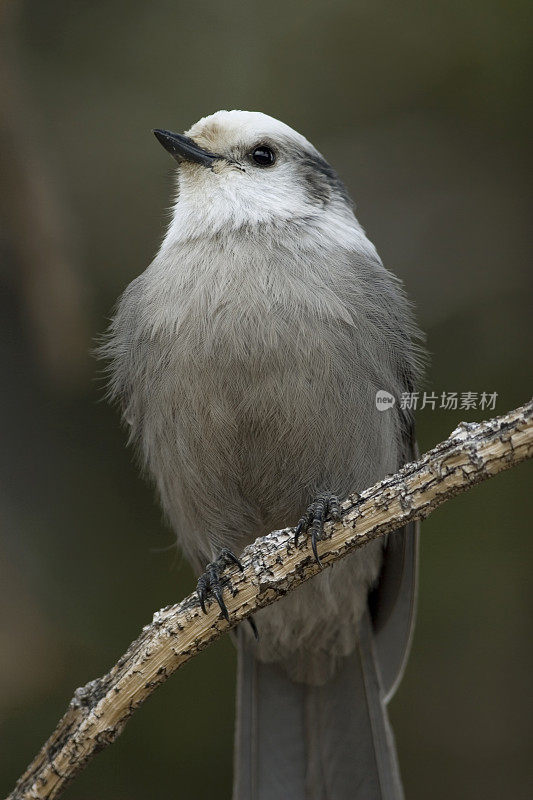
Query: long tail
300, 742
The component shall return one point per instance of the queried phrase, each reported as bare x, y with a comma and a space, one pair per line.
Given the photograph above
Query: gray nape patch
321, 181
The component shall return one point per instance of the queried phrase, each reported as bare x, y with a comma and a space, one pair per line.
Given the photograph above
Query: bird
246, 361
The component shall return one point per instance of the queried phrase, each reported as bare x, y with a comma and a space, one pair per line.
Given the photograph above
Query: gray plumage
246, 359
334, 740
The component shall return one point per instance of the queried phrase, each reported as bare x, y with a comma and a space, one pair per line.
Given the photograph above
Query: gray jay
246, 360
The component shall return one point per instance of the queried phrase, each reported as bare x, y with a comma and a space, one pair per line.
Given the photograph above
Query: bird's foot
209, 582
326, 506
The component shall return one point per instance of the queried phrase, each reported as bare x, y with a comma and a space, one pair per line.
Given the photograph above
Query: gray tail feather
300, 742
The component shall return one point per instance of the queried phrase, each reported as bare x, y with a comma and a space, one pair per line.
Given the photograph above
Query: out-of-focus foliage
424, 110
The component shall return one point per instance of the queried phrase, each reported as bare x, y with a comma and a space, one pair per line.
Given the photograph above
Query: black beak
184, 149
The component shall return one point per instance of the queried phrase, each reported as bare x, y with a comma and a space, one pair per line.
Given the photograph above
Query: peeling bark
273, 566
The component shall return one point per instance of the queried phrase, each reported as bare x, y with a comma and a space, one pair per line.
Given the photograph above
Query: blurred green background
424, 110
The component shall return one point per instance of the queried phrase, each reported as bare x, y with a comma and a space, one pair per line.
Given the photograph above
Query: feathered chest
253, 318
247, 307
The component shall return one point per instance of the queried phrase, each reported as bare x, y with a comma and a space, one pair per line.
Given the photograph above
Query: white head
242, 168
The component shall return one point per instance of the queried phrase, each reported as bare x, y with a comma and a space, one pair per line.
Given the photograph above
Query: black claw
312, 521
315, 551
201, 591
231, 558
314, 540
304, 522
209, 581
218, 597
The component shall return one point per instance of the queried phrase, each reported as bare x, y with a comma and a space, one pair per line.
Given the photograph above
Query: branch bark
273, 566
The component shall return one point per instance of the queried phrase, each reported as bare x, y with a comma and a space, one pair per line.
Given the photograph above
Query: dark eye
263, 156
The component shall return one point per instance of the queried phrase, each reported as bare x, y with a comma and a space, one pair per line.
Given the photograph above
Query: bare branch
273, 566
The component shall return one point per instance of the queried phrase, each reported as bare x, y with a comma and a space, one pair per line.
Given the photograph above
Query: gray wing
393, 601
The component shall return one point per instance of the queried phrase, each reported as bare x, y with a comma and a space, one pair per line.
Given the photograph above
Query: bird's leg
325, 506
209, 581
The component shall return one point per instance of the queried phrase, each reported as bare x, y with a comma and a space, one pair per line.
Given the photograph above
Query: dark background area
425, 111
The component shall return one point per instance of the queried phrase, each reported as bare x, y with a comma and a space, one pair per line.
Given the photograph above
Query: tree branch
273, 566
